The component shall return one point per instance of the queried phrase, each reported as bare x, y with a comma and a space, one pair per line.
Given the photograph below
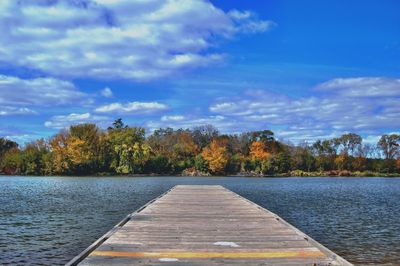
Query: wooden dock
205, 225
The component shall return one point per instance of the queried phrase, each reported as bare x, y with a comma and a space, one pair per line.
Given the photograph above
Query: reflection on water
49, 220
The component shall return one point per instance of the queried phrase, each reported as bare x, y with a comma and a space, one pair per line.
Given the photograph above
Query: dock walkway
205, 225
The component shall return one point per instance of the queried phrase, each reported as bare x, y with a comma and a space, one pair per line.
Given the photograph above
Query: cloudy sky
305, 69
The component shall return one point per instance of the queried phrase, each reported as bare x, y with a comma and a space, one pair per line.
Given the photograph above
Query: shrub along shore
86, 149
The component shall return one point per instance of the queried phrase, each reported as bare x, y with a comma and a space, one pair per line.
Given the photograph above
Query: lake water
49, 220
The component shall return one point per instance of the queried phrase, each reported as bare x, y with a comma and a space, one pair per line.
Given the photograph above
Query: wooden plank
205, 225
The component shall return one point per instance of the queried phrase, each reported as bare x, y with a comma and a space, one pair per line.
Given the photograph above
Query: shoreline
249, 175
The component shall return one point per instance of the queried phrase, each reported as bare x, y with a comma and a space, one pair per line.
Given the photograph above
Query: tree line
85, 149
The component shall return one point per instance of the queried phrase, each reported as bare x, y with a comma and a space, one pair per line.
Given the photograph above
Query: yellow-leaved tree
59, 149
216, 155
341, 161
258, 151
76, 150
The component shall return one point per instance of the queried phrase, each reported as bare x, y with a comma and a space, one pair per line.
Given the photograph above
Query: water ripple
49, 220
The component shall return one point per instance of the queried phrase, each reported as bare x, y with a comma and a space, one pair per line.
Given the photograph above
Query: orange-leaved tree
258, 151
216, 154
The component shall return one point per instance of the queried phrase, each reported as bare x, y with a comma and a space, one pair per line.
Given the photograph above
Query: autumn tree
85, 149
267, 136
76, 150
83, 146
184, 145
258, 151
61, 161
176, 145
341, 161
216, 155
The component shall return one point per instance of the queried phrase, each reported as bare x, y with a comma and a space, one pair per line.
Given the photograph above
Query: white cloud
106, 39
107, 92
240, 15
363, 87
63, 121
8, 110
132, 108
362, 105
18, 135
15, 91
23, 138
166, 118
247, 22
225, 106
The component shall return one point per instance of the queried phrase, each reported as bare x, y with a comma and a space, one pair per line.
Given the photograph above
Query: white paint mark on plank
226, 244
168, 259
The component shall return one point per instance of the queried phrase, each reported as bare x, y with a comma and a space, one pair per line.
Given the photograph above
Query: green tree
235, 163
131, 158
248, 165
283, 162
201, 164
11, 162
129, 152
34, 158
269, 166
158, 164
302, 159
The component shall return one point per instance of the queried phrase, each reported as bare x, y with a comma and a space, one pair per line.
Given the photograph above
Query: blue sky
305, 69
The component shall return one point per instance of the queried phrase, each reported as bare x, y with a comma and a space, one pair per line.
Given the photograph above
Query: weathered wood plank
205, 225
